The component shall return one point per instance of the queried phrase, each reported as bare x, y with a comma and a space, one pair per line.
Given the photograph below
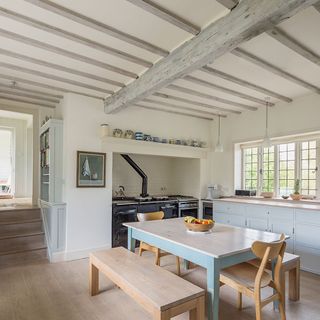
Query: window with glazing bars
309, 167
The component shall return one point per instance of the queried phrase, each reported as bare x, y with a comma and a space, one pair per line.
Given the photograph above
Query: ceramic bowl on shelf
117, 133
129, 134
285, 197
139, 135
147, 137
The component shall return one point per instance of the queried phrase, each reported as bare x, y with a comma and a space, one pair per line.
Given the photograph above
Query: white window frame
298, 162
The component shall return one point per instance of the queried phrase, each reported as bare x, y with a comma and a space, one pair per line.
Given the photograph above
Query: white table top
224, 240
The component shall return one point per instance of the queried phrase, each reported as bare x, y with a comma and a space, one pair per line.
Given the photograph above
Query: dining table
221, 247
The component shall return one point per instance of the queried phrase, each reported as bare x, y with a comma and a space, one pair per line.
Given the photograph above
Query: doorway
7, 179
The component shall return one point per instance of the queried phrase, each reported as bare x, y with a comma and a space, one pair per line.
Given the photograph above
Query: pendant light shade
266, 143
219, 146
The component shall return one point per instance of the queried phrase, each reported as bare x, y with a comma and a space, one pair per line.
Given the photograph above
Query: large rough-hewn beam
230, 4
317, 6
249, 19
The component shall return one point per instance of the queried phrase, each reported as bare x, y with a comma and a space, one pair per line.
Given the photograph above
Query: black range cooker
126, 209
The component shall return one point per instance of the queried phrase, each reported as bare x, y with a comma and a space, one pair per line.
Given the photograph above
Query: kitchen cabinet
281, 220
257, 217
307, 239
301, 225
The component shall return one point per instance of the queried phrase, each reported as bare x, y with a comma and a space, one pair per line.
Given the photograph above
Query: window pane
250, 168
312, 144
308, 166
286, 168
268, 169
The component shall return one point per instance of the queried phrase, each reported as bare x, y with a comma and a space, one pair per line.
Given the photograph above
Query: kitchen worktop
301, 204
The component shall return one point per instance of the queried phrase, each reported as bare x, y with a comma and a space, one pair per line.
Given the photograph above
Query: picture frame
91, 169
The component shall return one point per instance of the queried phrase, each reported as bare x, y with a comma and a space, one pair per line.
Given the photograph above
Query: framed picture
91, 169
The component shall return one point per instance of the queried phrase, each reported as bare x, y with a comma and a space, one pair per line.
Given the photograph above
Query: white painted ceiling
128, 18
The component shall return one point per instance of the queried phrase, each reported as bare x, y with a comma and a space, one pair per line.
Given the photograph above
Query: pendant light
219, 146
266, 143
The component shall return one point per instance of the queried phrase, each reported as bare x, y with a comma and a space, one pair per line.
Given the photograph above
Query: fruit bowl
198, 225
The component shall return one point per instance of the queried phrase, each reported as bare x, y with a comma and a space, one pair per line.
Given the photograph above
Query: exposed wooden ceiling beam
271, 68
193, 102
244, 83
173, 111
59, 67
230, 4
16, 87
27, 95
166, 15
13, 98
54, 77
317, 6
210, 97
225, 90
97, 25
74, 37
294, 45
35, 43
249, 19
172, 105
47, 86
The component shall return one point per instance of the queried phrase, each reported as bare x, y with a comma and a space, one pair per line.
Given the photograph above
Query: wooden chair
158, 215
249, 279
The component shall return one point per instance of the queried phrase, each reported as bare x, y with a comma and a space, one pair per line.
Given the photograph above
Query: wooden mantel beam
249, 19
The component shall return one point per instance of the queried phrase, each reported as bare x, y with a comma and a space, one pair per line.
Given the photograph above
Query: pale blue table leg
131, 241
213, 288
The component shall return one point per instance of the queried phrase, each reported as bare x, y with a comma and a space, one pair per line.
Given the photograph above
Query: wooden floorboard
60, 292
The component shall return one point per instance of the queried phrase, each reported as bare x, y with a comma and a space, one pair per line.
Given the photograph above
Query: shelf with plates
113, 144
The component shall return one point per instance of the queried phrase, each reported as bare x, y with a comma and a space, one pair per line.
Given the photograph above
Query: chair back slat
149, 216
259, 249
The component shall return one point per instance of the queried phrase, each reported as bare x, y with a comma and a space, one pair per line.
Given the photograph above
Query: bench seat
160, 292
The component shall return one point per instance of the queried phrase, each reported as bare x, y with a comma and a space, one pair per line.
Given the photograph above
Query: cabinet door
307, 239
220, 217
231, 219
236, 220
281, 221
257, 223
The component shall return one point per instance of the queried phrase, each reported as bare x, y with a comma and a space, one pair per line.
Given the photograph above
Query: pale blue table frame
212, 264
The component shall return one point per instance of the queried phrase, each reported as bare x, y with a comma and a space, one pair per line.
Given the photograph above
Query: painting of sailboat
91, 169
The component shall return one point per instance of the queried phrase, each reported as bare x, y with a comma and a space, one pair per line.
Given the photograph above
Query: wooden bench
163, 294
291, 264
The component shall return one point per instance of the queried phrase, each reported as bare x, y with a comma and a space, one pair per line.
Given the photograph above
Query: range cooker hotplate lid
141, 199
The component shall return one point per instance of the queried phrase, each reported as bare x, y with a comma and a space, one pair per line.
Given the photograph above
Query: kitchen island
298, 219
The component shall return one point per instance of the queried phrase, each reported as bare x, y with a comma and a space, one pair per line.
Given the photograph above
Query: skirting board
75, 255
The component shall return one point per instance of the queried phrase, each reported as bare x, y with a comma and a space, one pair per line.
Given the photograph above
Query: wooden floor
60, 292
